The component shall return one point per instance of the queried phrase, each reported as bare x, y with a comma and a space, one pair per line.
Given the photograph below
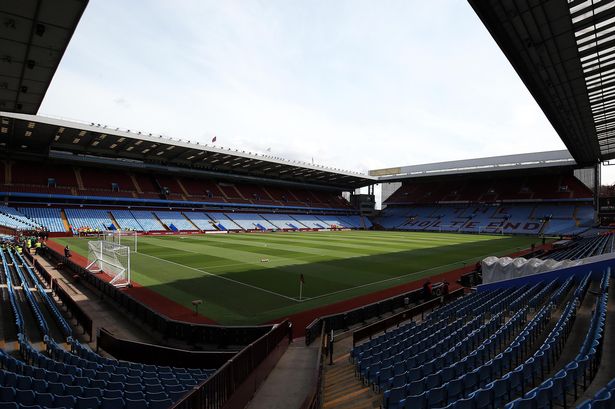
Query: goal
124, 238
111, 258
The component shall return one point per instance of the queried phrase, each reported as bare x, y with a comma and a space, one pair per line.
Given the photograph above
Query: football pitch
248, 279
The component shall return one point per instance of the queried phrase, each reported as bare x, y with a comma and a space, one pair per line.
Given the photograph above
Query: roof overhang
560, 159
22, 134
33, 37
564, 51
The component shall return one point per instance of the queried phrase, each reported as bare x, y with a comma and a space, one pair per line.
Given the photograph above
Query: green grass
227, 273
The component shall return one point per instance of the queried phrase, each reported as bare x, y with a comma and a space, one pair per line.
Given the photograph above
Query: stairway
240, 195
183, 189
78, 178
342, 389
190, 221
134, 181
160, 221
65, 220
115, 223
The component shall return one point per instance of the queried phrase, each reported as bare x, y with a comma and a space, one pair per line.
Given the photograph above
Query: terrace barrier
160, 355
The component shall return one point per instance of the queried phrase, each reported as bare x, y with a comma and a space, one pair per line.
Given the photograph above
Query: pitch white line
221, 277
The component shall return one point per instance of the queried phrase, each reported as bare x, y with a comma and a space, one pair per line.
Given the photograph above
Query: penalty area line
224, 278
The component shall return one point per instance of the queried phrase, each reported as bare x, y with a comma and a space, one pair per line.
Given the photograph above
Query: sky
353, 84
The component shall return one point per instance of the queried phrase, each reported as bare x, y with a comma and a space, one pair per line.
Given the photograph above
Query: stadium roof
525, 161
564, 51
42, 136
33, 37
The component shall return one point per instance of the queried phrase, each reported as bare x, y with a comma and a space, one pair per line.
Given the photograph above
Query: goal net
111, 258
123, 238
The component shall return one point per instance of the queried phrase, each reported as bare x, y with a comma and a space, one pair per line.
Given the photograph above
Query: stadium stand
13, 218
76, 377
126, 220
175, 221
250, 221
223, 222
201, 220
491, 190
282, 221
147, 221
309, 221
49, 217
507, 219
89, 219
585, 247
494, 348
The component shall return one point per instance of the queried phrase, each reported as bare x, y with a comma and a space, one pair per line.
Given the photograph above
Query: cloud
353, 84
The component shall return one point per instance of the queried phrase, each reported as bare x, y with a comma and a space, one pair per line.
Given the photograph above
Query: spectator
445, 288
67, 252
427, 290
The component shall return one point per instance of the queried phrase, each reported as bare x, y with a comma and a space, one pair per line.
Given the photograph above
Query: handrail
313, 400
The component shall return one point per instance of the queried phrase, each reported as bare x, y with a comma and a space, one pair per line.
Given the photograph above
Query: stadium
141, 271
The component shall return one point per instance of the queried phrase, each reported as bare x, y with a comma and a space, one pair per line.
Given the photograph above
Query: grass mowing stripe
241, 290
221, 277
397, 278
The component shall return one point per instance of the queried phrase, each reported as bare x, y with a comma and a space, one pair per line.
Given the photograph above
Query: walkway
290, 382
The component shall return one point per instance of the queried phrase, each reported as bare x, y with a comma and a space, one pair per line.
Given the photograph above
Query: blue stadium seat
160, 404
87, 403
25, 397
135, 404
112, 403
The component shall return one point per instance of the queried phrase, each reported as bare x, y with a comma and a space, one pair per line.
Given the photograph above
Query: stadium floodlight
112, 259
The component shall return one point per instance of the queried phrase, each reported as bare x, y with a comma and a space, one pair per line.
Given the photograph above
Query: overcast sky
352, 84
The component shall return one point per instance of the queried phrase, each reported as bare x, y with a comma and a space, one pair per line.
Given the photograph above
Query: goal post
111, 258
125, 238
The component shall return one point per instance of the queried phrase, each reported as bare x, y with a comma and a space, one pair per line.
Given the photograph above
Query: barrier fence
144, 353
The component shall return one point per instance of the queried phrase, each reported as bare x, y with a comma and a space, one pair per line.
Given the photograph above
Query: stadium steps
190, 221
64, 220
78, 178
134, 182
341, 388
183, 189
269, 194
160, 221
605, 372
295, 198
115, 223
299, 224
240, 195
